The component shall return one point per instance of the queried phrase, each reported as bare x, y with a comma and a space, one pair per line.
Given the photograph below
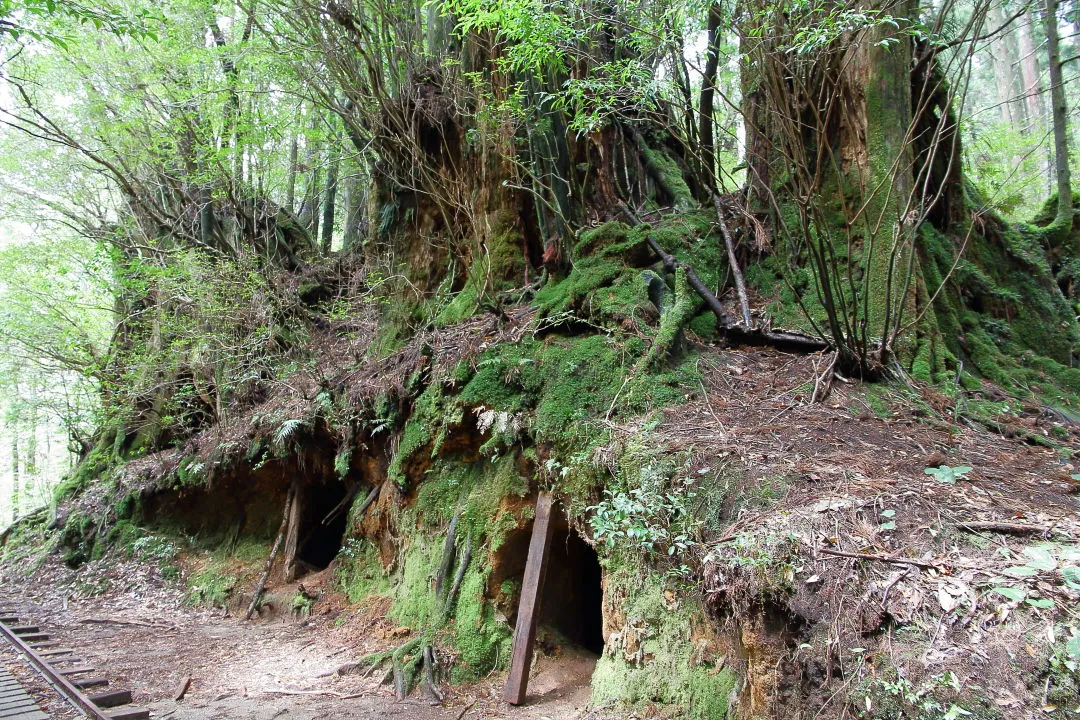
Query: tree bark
1059, 117
708, 92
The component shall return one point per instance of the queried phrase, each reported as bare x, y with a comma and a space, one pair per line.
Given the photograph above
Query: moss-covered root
672, 321
406, 662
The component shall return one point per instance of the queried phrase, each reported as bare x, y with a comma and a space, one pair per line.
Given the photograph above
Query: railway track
64, 671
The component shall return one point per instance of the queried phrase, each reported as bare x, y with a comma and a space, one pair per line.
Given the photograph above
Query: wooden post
532, 588
292, 539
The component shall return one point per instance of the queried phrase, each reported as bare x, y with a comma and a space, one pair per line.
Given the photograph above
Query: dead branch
447, 558
823, 384
879, 558
273, 554
736, 272
731, 330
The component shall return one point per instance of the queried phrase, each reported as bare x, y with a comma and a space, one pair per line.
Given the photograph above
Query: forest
310, 310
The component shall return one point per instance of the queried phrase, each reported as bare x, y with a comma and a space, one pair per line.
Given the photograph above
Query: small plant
948, 475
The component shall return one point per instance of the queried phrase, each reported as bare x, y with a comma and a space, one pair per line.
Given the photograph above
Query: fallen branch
371, 496
463, 565
740, 284
823, 384
447, 559
464, 710
273, 554
879, 558
1003, 527
137, 623
340, 696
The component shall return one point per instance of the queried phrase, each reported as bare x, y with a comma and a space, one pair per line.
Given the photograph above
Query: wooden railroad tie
65, 671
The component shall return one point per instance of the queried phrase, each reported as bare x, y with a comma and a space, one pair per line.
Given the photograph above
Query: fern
342, 462
286, 431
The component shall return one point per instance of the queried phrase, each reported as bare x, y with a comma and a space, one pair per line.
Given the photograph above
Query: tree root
731, 330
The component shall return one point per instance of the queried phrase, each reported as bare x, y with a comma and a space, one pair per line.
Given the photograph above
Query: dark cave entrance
571, 606
573, 597
324, 514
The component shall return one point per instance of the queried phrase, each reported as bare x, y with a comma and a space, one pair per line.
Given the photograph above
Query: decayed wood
532, 587
273, 555
1003, 527
292, 537
182, 689
111, 698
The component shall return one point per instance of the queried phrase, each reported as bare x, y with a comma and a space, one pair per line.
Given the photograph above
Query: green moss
483, 641
413, 595
360, 572
664, 666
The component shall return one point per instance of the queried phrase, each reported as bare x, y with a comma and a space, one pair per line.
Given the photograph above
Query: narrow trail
276, 669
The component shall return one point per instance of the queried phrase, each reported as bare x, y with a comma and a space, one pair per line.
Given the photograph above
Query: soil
143, 636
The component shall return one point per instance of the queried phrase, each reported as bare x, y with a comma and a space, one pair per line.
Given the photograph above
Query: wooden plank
58, 651
111, 698
46, 644
132, 714
34, 637
292, 537
532, 589
89, 682
23, 629
77, 670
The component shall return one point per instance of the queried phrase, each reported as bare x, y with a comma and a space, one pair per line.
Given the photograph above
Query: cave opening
571, 604
323, 518
573, 596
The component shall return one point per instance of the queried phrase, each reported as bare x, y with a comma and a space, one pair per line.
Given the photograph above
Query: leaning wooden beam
273, 555
292, 535
532, 587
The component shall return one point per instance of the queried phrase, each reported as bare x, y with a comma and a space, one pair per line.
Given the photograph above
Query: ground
890, 551
142, 635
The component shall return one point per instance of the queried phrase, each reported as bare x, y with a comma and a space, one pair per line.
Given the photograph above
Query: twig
880, 558
823, 384
464, 710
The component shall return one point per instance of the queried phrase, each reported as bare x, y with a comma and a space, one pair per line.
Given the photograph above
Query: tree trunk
708, 91
330, 200
1059, 116
1003, 52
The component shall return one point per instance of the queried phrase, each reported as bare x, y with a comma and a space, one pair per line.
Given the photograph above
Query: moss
482, 640
662, 663
672, 321
360, 573
413, 595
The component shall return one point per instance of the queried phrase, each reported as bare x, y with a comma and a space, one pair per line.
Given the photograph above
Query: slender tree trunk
16, 490
1059, 117
1003, 52
290, 187
330, 200
1029, 73
354, 209
708, 91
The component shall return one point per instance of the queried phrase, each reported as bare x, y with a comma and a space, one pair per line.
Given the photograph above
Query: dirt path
142, 636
